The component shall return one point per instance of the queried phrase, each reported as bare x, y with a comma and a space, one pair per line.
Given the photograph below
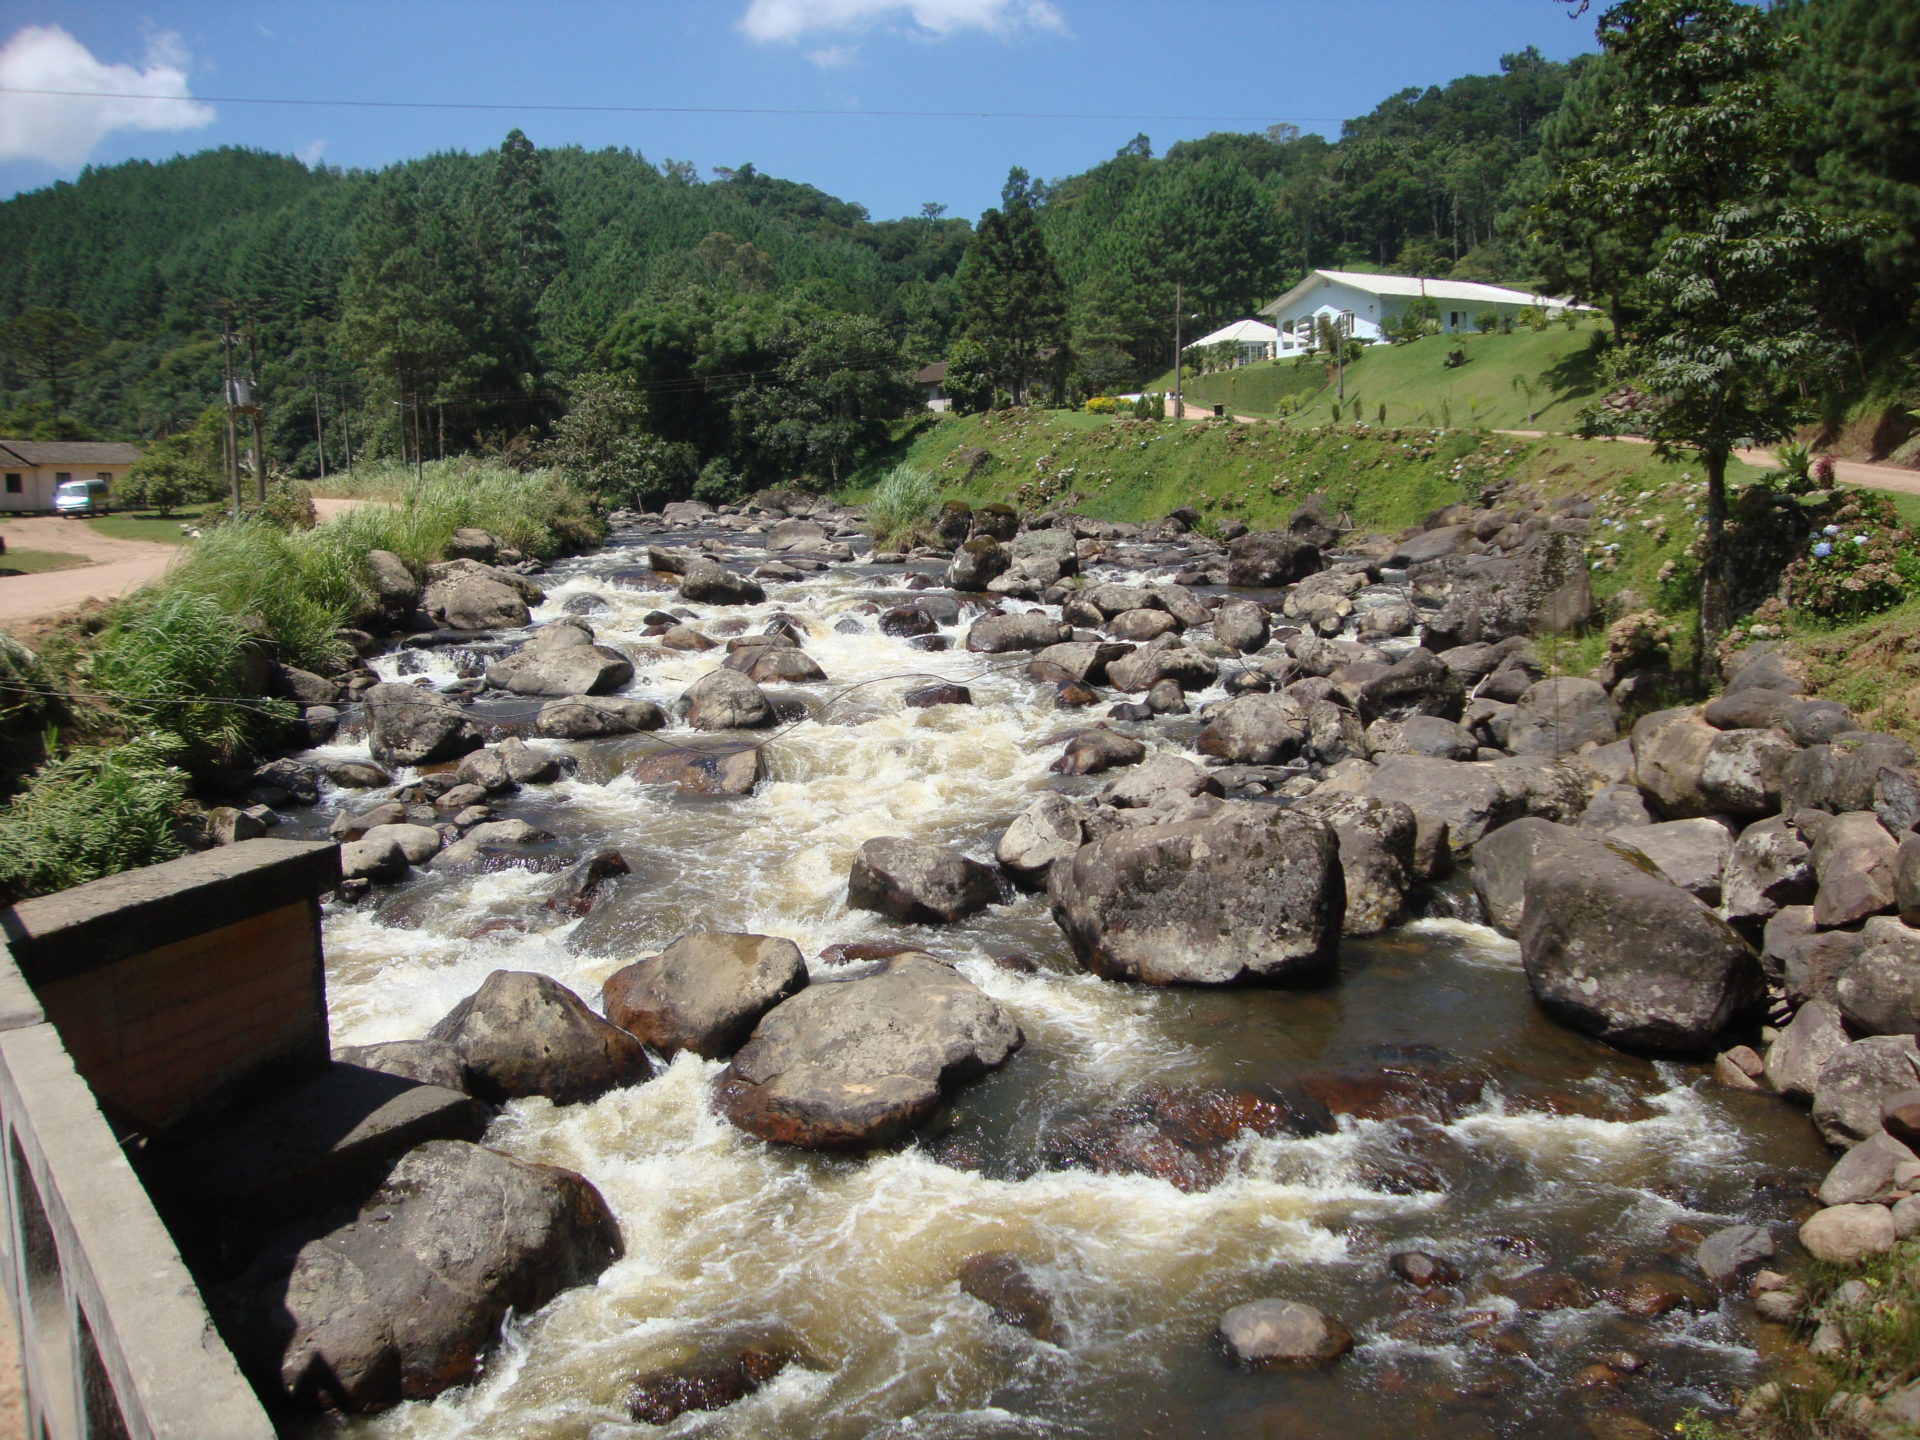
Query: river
1563, 1154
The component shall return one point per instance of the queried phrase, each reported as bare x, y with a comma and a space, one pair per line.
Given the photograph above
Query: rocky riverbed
1068, 995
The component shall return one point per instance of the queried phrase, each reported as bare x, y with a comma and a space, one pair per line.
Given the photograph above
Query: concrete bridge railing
128, 1006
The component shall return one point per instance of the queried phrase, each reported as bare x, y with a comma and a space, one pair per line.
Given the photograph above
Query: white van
81, 497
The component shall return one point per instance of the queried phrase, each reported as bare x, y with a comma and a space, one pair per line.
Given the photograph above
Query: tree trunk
1715, 604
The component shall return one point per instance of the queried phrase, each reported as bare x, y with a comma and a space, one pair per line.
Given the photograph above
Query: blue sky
1216, 64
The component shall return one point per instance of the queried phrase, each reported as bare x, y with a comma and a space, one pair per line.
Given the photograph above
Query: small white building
30, 470
1365, 303
1251, 341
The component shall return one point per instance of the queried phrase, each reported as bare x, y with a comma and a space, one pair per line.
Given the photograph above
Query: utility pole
419, 459
319, 438
253, 407
227, 398
1179, 404
346, 428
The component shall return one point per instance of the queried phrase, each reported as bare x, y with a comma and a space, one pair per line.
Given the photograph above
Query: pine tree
1011, 300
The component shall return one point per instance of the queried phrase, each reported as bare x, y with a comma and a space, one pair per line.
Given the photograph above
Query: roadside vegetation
38, 562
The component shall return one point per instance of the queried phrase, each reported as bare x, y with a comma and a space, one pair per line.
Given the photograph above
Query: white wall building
1364, 303
1251, 341
30, 470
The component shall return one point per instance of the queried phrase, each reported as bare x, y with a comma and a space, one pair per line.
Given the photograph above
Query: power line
670, 109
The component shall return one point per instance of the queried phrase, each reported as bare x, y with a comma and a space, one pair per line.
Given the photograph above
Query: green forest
666, 334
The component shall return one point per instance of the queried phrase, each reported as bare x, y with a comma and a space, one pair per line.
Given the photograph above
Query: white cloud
64, 129
835, 57
309, 154
787, 21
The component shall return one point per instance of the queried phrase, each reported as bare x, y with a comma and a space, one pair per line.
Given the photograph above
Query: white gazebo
1251, 339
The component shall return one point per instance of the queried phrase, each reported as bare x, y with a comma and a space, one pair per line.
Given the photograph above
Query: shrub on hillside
92, 813
1861, 563
1102, 405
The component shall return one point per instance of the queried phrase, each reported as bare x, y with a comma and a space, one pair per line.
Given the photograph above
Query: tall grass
902, 503
90, 814
535, 511
295, 585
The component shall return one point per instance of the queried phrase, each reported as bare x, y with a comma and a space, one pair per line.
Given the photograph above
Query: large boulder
570, 670
1879, 992
1376, 855
1250, 892
1856, 1082
1255, 729
1769, 866
594, 717
1813, 1037
1691, 853
1842, 775
1504, 858
477, 599
1098, 749
1168, 658
1029, 630
1047, 830
725, 700
1558, 716
861, 1061
1742, 770
1631, 958
1854, 861
404, 1300
1282, 1334
1474, 797
1544, 588
527, 1034
917, 882
705, 992
1670, 750
710, 768
1270, 557
707, 582
395, 589
1241, 625
1416, 684
977, 563
411, 725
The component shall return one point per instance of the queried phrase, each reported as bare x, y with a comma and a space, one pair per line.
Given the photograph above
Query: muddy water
1573, 1156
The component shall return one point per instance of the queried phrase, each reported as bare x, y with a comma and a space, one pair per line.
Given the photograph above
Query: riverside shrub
1862, 562
89, 814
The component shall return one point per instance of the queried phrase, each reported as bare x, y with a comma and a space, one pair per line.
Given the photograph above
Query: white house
31, 469
1251, 341
1364, 303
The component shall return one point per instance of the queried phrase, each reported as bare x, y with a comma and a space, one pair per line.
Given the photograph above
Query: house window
106, 475
13, 483
1453, 319
60, 477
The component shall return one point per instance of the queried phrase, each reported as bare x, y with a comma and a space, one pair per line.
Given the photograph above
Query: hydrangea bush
1862, 562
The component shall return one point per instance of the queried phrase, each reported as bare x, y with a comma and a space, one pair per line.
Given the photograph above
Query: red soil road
115, 566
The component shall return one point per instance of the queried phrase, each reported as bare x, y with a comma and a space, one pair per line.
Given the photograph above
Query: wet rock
1249, 893
1092, 751
918, 883
1807, 960
395, 589
1558, 716
776, 665
404, 1300
1853, 859
526, 1034
1270, 557
1879, 991
1048, 830
557, 670
1631, 958
419, 843
1807, 1042
710, 1381
414, 726
1421, 1270
928, 696
1503, 859
1418, 684
381, 861
1242, 625
1691, 853
1542, 1288
594, 717
474, 600
1254, 729
1769, 866
1856, 1082
907, 620
1282, 1334
705, 992
355, 775
1002, 1283
852, 1063
1168, 658
1376, 839
1729, 1254
1084, 661
1161, 781
707, 582
1029, 630
725, 700
1848, 1234
711, 768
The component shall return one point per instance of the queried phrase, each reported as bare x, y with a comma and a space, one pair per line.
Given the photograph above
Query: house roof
934, 374
70, 452
1241, 332
1470, 292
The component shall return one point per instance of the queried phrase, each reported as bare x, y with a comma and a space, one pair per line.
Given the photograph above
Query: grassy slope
144, 525
1417, 389
38, 562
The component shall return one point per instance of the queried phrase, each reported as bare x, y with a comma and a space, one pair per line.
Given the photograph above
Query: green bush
901, 503
176, 661
1863, 562
295, 587
90, 814
1487, 321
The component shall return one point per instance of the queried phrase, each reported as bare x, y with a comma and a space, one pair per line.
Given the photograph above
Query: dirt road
117, 566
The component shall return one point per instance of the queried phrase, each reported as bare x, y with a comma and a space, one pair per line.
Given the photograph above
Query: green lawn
1418, 388
145, 525
38, 562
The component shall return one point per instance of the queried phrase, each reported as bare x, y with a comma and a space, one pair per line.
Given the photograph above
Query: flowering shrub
1640, 641
1102, 405
1863, 562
